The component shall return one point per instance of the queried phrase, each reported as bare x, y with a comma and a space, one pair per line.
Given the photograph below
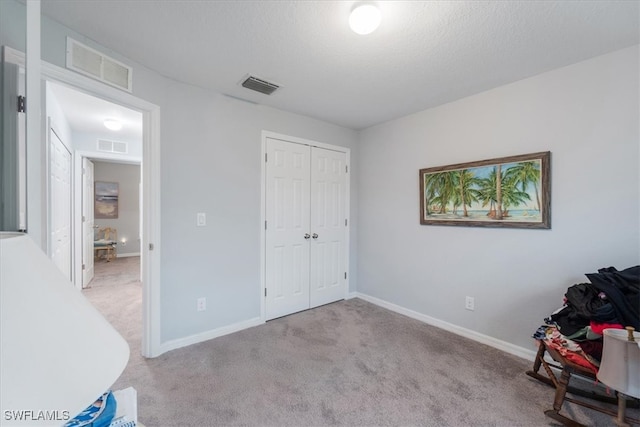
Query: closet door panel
328, 228
287, 214
60, 203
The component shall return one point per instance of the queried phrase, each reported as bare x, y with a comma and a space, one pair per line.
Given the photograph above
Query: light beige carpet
116, 291
350, 363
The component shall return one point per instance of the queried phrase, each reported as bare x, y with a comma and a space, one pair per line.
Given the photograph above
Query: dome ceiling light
365, 18
112, 124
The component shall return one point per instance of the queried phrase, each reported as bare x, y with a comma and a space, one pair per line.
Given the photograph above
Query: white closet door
60, 204
87, 221
287, 235
328, 227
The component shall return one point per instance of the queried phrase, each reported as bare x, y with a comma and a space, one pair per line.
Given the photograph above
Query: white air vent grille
112, 146
115, 73
260, 85
86, 60
92, 63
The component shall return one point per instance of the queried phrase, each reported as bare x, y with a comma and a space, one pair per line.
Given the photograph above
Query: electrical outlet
202, 304
201, 219
470, 303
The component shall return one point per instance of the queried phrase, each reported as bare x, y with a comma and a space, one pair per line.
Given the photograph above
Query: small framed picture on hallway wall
106, 200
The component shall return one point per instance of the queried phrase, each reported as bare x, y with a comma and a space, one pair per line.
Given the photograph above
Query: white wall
13, 24
127, 224
587, 116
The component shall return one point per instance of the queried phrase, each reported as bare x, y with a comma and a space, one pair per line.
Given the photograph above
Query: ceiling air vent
92, 63
112, 146
260, 85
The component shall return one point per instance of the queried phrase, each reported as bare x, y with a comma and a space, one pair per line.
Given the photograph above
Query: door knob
306, 235
315, 236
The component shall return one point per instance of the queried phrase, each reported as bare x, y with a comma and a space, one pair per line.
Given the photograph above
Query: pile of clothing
611, 300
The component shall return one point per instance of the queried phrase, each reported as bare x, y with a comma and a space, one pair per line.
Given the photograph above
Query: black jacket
622, 289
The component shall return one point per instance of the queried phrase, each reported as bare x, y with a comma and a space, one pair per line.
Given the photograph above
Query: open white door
87, 221
13, 199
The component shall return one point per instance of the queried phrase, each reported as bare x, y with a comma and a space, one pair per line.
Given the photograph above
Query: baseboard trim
128, 255
458, 330
208, 335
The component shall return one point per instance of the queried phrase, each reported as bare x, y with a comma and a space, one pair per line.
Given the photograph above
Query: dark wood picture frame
469, 194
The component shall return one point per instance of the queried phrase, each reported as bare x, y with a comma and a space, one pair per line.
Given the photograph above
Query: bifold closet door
60, 204
306, 227
328, 226
287, 236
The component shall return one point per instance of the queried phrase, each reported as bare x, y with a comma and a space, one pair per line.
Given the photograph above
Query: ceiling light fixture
365, 18
112, 124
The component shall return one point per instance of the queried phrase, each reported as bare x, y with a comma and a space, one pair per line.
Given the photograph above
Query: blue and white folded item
99, 414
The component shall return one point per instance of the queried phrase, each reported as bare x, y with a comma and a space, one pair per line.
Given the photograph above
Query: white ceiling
86, 113
424, 54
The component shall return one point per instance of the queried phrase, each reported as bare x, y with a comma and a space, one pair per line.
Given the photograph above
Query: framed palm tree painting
505, 192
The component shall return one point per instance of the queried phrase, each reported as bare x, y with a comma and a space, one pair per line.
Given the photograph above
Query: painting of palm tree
505, 192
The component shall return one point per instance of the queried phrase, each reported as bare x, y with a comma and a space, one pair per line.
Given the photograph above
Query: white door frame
150, 233
263, 212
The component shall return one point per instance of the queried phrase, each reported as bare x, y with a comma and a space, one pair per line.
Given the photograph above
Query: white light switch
201, 219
